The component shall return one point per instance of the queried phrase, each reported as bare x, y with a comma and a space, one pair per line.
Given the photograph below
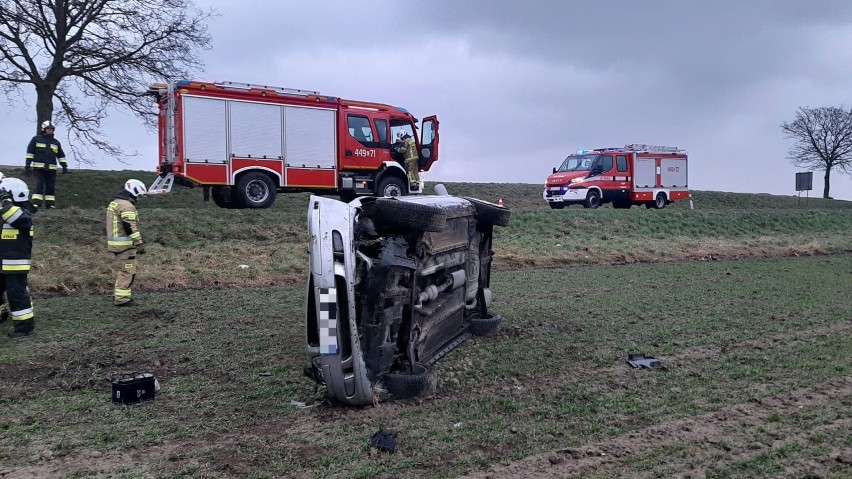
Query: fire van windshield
577, 163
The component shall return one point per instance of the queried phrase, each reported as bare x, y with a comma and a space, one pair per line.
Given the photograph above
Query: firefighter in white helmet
16, 245
45, 156
124, 240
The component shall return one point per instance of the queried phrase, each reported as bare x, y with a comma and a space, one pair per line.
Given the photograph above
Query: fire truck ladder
276, 89
652, 148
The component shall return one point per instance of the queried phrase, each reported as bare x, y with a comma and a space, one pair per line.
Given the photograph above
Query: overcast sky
519, 85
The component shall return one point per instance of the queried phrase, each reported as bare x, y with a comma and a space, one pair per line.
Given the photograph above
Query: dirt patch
725, 425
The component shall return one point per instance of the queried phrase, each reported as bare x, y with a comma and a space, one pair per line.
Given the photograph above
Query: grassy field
745, 299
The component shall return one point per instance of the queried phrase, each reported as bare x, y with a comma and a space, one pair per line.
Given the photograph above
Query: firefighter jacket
409, 149
45, 152
121, 223
16, 242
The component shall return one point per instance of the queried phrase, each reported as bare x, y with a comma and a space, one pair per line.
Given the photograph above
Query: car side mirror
554, 169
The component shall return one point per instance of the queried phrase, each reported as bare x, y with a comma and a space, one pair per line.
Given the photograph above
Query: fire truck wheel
223, 197
392, 212
255, 190
485, 326
405, 384
392, 186
593, 200
490, 213
660, 201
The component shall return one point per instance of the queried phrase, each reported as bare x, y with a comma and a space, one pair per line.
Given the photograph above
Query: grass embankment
192, 244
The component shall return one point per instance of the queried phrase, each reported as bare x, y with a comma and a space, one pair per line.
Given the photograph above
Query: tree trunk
825, 189
44, 104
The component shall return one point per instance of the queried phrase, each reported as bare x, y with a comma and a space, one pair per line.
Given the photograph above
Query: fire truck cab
245, 143
636, 174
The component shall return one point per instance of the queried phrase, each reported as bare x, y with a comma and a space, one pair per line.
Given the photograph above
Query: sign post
804, 182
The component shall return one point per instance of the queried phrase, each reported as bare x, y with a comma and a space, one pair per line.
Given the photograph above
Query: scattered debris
302, 405
639, 360
384, 440
265, 373
134, 388
244, 266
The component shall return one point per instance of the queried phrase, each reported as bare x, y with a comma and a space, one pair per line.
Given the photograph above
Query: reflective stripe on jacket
16, 239
45, 152
122, 224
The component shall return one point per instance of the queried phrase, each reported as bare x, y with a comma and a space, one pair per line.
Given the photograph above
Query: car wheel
490, 213
392, 186
223, 197
408, 384
593, 200
255, 190
485, 326
660, 201
556, 206
389, 211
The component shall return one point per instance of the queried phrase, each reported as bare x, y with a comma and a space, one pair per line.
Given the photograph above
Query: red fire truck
648, 175
244, 143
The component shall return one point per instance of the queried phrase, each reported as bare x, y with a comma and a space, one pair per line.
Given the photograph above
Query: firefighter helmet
47, 124
135, 187
17, 188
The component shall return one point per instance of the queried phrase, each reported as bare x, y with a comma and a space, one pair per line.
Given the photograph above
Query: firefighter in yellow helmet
45, 156
16, 245
408, 150
124, 240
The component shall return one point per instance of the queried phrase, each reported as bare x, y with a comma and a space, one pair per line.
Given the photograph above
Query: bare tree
90, 55
823, 140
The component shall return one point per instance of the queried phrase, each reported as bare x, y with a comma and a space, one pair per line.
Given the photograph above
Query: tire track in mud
712, 427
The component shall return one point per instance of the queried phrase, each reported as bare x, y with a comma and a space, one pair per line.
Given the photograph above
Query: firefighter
408, 150
45, 156
124, 239
4, 307
16, 243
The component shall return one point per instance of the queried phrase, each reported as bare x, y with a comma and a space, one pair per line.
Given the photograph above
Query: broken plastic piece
384, 440
639, 360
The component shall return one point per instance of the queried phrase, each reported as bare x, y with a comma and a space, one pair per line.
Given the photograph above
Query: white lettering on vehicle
365, 153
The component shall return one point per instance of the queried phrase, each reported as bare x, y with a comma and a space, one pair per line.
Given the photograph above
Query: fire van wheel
490, 213
392, 186
255, 190
485, 326
660, 201
593, 200
393, 212
408, 384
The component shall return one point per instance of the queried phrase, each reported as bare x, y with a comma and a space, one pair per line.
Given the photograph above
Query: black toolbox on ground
133, 388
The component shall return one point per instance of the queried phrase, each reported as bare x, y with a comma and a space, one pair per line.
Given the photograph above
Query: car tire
255, 190
490, 213
404, 384
485, 326
593, 200
389, 211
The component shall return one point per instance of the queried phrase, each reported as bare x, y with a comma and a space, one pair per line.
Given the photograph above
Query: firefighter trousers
19, 303
45, 187
125, 265
413, 169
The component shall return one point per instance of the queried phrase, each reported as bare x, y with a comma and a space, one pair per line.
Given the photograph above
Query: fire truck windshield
577, 163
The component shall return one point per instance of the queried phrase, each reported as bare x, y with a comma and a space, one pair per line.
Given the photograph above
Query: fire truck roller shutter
257, 130
204, 127
309, 138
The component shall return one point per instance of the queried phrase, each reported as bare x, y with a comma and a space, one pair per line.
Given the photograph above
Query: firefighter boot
4, 312
22, 328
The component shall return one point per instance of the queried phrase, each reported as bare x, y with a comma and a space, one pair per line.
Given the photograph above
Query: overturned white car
395, 284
